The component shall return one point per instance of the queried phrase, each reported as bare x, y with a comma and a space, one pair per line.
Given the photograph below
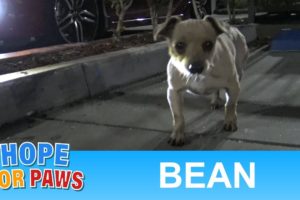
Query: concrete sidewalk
138, 117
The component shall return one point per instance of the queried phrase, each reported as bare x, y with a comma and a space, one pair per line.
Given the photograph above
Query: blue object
286, 40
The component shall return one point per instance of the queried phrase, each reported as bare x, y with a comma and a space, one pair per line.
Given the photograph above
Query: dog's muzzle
196, 68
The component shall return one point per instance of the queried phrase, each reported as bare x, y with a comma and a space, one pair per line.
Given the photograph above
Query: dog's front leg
175, 99
232, 93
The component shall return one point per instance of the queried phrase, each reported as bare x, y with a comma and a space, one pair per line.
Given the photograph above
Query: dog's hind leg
216, 102
241, 57
175, 99
232, 94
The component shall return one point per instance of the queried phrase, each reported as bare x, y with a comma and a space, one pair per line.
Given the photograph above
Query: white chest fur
203, 83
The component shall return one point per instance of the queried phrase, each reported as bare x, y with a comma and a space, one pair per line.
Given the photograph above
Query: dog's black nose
196, 68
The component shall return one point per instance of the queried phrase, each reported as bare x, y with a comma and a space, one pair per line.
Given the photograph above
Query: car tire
78, 20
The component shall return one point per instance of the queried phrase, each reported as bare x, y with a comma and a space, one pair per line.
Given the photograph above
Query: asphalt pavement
137, 117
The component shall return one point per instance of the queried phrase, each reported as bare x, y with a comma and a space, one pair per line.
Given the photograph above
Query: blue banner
137, 175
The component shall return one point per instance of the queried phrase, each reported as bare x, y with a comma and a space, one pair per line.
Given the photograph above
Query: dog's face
191, 42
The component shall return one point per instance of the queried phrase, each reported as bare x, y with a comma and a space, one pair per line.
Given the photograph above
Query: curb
23, 96
35, 90
26, 92
124, 67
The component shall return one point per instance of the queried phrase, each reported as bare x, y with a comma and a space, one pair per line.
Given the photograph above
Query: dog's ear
166, 29
215, 24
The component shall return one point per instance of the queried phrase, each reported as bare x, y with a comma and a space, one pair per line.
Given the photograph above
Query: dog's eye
180, 47
207, 46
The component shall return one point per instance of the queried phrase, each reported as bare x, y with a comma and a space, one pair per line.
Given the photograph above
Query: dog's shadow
210, 139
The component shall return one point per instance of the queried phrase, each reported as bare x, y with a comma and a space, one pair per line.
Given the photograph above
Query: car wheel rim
77, 20
199, 8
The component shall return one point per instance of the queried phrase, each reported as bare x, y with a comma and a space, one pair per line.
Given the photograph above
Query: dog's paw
215, 105
230, 126
176, 140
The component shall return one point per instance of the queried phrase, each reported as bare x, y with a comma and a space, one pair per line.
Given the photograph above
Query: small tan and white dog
206, 56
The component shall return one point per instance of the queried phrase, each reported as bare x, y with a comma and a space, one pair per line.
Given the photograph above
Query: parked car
26, 24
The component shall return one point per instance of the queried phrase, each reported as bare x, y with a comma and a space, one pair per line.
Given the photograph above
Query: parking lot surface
137, 117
